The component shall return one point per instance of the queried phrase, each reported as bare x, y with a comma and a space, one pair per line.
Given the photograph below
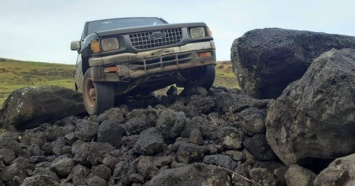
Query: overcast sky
41, 30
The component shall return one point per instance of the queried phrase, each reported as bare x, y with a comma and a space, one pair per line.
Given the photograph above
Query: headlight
197, 32
109, 44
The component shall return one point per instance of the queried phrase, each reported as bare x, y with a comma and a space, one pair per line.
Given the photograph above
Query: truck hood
147, 28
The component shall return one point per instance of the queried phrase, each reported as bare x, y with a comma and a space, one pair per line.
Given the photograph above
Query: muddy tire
207, 76
98, 97
201, 76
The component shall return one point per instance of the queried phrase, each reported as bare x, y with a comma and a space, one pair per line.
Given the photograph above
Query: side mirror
75, 45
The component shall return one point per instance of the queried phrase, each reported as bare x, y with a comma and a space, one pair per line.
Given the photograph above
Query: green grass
225, 76
18, 74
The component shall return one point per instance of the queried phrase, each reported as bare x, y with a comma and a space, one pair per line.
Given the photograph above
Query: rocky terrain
163, 143
217, 137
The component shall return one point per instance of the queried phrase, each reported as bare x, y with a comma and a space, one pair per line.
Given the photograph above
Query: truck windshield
111, 24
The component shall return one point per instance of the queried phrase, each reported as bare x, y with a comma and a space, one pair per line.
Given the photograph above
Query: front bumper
131, 65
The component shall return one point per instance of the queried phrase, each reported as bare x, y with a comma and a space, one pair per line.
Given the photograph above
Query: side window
83, 35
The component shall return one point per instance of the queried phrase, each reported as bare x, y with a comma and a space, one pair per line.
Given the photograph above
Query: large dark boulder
313, 121
28, 107
267, 60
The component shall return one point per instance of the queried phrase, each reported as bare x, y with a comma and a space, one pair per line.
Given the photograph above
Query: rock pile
200, 138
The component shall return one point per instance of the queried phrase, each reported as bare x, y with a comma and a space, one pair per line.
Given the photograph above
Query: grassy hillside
17, 74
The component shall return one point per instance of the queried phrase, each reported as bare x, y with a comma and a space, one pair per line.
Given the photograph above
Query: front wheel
98, 97
201, 76
208, 74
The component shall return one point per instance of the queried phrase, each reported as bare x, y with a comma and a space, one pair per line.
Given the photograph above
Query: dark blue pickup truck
138, 55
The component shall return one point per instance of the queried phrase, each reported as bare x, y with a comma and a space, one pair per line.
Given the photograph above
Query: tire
208, 74
201, 76
98, 97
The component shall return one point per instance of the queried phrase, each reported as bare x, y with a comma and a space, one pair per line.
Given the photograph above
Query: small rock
136, 125
242, 170
96, 181
10, 143
249, 157
189, 153
162, 161
70, 138
113, 114
86, 130
232, 142
8, 155
136, 178
299, 176
2, 165
110, 132
129, 141
212, 149
35, 150
262, 176
58, 146
45, 171
229, 152
253, 121
62, 167
110, 161
37, 159
97, 152
79, 171
200, 105
196, 137
146, 167
259, 147
220, 160
171, 123
175, 164
101, 171
150, 142
196, 122
80, 150
190, 91
238, 156
53, 132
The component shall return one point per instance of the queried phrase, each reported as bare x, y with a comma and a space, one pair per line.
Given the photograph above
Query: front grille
160, 62
156, 38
